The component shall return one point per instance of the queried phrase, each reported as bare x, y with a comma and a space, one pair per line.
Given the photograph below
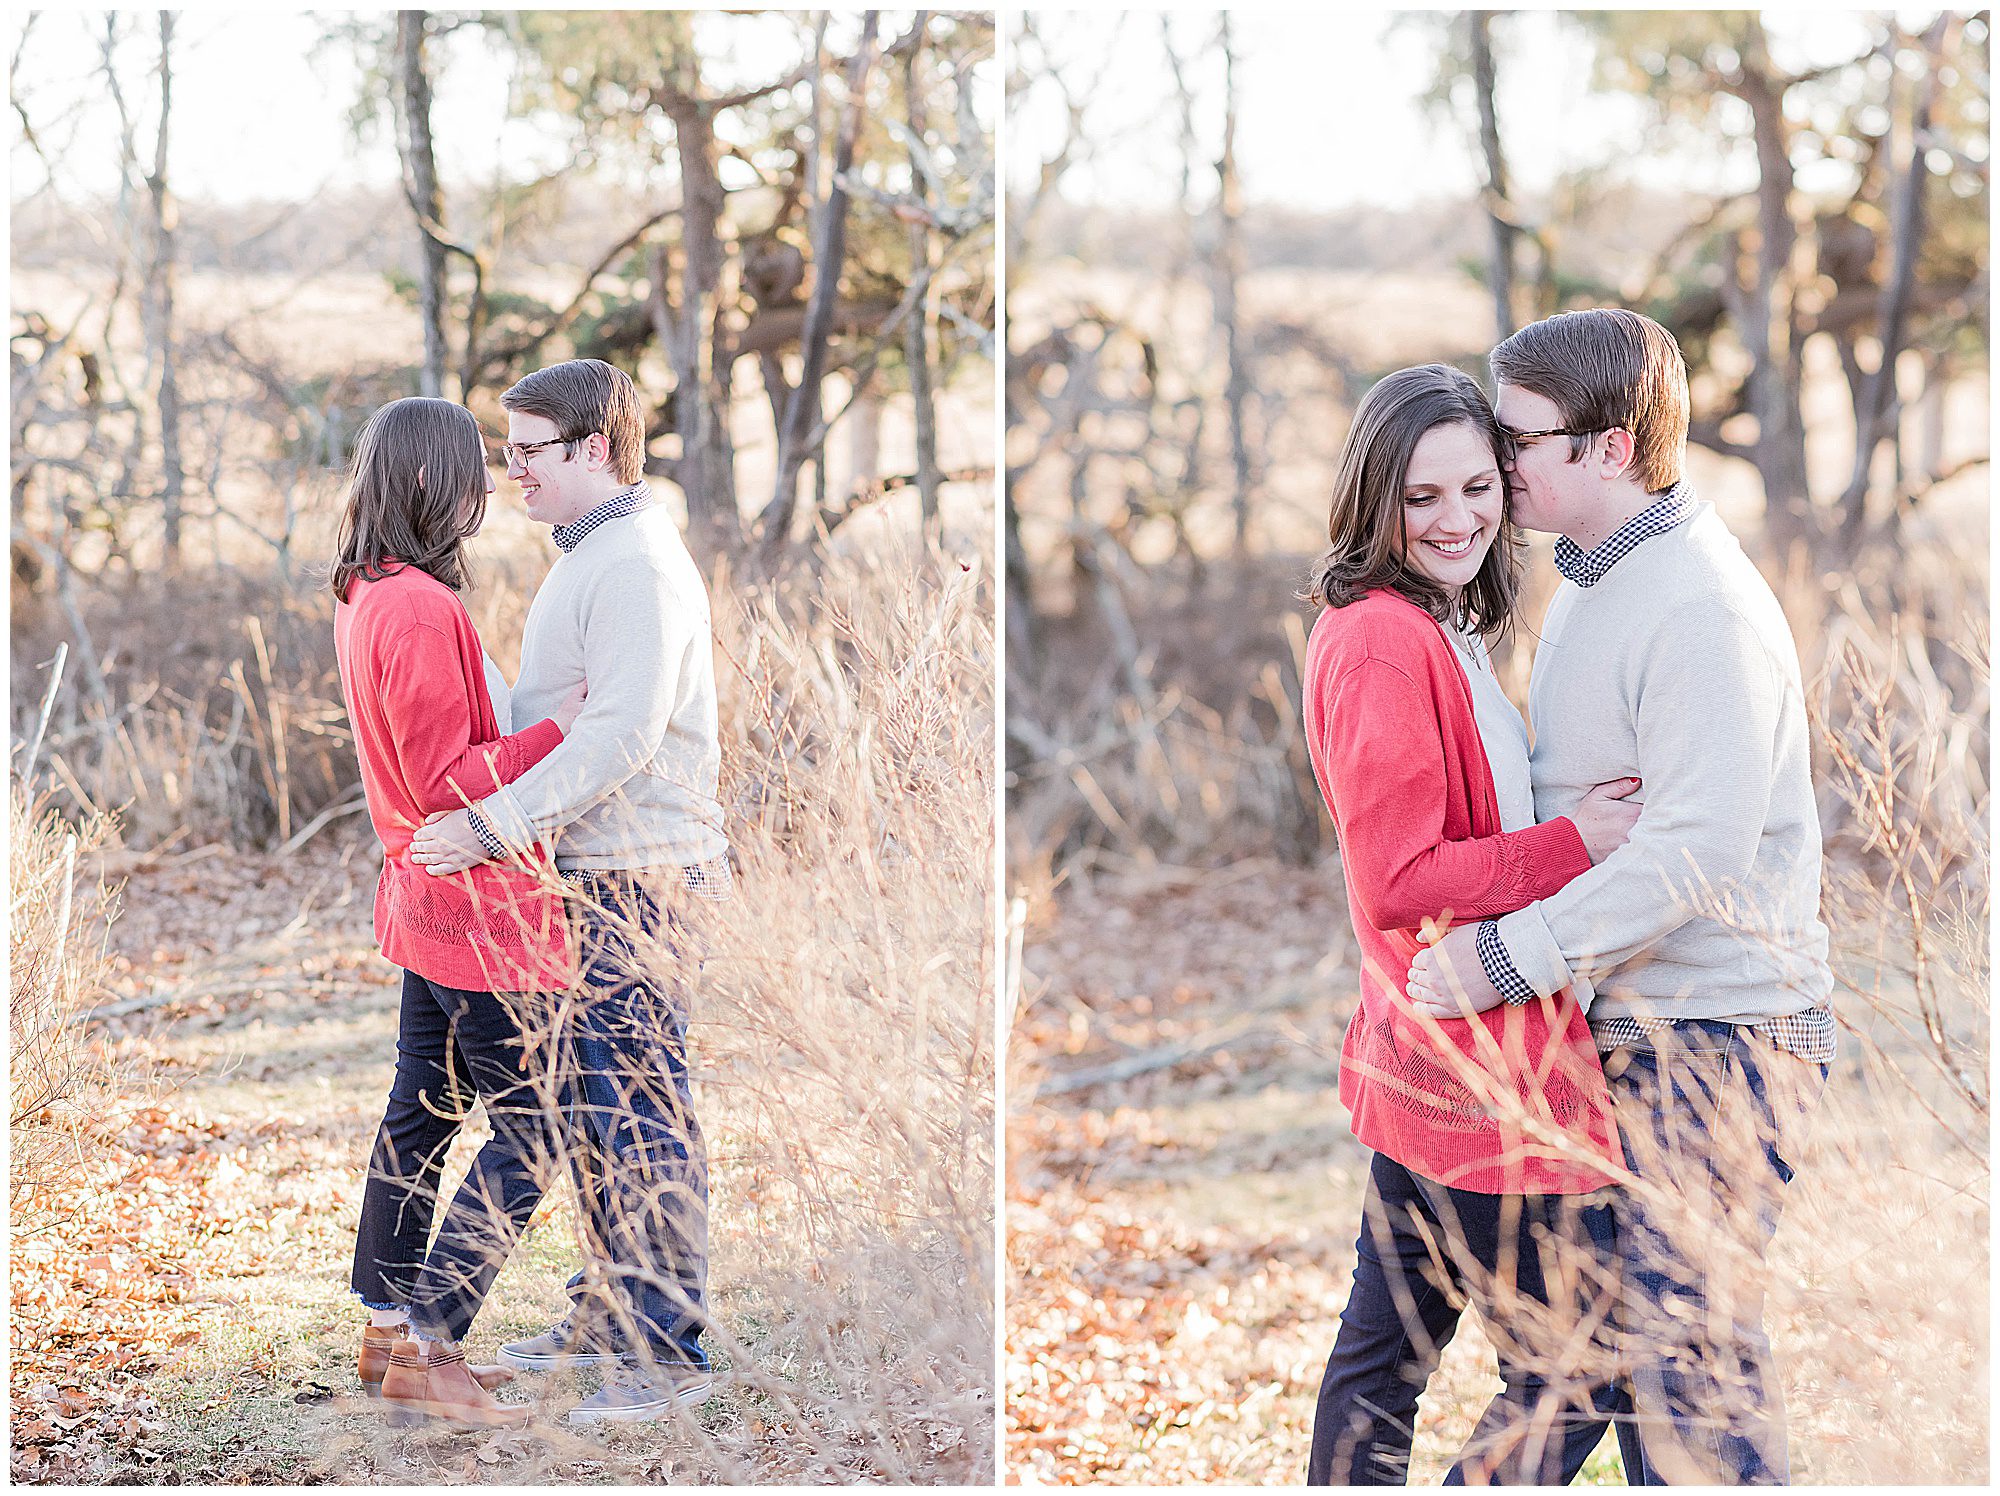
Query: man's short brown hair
1607, 368
586, 395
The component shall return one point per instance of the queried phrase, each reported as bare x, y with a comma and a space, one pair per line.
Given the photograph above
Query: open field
1330, 334
349, 332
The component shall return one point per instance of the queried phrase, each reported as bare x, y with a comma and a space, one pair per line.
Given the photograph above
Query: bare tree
160, 283
1499, 210
688, 314
420, 187
1794, 267
152, 247
1228, 272
1877, 407
829, 253
916, 331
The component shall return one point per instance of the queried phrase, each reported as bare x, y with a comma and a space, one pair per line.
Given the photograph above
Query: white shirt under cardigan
1678, 666
633, 783
1502, 733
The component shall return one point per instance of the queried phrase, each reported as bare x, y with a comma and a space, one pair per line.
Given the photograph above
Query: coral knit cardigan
424, 727
1512, 1101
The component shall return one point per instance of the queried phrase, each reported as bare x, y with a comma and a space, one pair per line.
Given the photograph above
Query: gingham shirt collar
1588, 568
631, 501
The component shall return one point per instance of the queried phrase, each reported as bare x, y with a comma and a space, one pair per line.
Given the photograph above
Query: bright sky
261, 102
1330, 110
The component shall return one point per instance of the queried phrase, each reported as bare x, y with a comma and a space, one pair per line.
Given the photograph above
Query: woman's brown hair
1366, 529
416, 492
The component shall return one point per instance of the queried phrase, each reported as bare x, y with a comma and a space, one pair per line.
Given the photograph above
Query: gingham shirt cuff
1499, 969
505, 819
495, 849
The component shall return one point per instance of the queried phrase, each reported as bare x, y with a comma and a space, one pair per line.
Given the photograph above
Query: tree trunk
1189, 254
1020, 627
420, 187
916, 332
160, 278
1875, 414
864, 445
1767, 319
917, 354
1228, 271
702, 393
1499, 213
829, 255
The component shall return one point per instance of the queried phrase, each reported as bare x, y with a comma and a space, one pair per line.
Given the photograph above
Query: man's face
1547, 490
558, 485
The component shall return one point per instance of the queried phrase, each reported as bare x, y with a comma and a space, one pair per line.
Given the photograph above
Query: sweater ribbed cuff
506, 821
1536, 958
1545, 857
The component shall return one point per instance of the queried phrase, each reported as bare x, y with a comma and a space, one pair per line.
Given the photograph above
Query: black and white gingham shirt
631, 501
1810, 1035
1671, 509
714, 880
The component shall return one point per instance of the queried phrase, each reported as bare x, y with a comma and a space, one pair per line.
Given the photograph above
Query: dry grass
1180, 1244
842, 1047
56, 965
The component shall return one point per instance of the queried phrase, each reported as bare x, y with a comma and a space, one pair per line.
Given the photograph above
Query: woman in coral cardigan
429, 715
1487, 1134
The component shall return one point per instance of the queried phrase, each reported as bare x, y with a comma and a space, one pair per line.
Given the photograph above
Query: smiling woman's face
1453, 503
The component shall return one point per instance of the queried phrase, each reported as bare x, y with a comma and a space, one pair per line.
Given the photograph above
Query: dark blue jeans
641, 1165
451, 1045
1711, 1116
1424, 1251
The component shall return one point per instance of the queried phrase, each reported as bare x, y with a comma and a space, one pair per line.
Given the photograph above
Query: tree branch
568, 314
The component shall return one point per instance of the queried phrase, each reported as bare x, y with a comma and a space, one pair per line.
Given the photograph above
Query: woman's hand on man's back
571, 707
1605, 816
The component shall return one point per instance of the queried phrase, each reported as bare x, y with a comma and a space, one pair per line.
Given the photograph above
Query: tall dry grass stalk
846, 1002
216, 721
842, 1024
56, 964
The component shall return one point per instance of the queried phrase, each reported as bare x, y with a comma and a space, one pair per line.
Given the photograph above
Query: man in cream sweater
629, 800
1696, 949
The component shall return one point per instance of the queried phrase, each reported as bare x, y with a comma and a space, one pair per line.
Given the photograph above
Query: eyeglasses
1527, 436
513, 452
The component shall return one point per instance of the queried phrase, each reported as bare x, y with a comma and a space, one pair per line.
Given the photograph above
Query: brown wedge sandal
376, 1343
440, 1385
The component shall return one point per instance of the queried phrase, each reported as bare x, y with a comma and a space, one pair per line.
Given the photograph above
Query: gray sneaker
563, 1345
629, 1396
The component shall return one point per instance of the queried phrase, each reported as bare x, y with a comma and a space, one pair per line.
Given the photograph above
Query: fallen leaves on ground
112, 1272
109, 1293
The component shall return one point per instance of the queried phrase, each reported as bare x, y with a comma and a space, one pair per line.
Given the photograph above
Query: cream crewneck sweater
633, 783
1678, 666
